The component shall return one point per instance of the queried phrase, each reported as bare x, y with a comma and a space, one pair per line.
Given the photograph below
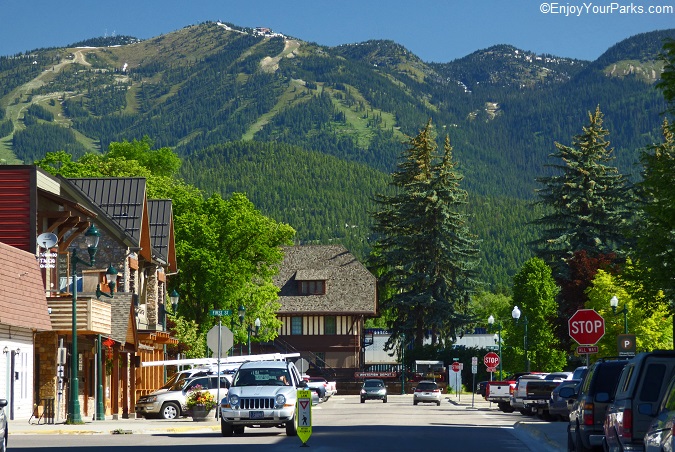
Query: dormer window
312, 287
311, 282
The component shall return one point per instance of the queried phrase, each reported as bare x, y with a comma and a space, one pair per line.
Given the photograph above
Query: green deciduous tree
425, 256
534, 292
655, 247
651, 328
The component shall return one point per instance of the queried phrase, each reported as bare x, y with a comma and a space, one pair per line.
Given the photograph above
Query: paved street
342, 423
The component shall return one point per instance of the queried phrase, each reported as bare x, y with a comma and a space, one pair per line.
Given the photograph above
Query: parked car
481, 388
263, 394
659, 436
520, 392
559, 408
373, 389
170, 404
427, 392
590, 402
4, 428
641, 388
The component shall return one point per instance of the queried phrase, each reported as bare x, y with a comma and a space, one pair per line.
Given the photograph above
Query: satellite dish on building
47, 240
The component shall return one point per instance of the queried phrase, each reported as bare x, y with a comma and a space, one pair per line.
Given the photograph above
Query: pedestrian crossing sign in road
303, 415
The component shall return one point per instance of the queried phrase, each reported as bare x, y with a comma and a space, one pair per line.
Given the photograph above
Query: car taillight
626, 427
418, 390
437, 390
588, 414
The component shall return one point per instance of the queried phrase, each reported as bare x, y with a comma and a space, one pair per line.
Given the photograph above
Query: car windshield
262, 377
373, 384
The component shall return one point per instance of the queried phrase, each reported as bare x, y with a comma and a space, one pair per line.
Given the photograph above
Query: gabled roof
350, 287
22, 292
161, 231
124, 201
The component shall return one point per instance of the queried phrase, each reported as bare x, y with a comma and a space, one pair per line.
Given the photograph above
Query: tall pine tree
426, 255
586, 201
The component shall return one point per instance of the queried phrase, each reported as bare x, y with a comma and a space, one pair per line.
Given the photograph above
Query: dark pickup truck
538, 393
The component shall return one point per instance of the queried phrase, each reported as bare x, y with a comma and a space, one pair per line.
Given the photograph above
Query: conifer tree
426, 255
586, 201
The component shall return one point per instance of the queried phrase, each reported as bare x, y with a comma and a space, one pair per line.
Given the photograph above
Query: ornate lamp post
491, 321
92, 237
250, 328
614, 303
516, 316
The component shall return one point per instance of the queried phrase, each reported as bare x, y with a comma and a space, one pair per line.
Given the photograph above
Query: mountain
311, 133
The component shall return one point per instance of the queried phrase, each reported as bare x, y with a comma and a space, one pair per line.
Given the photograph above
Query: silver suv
263, 394
170, 404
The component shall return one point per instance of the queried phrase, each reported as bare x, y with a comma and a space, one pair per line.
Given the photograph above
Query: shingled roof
22, 292
350, 287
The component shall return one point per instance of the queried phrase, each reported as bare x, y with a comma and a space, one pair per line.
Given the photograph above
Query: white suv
263, 394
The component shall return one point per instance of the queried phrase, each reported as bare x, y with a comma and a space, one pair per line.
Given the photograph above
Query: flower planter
199, 413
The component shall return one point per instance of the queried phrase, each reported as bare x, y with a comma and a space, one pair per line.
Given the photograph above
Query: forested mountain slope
311, 133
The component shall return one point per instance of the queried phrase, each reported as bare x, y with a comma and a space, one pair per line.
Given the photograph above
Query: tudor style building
325, 294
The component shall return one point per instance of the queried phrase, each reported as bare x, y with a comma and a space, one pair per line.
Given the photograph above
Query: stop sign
586, 326
455, 366
491, 359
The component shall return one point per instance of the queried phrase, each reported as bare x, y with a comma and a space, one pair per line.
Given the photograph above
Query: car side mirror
646, 409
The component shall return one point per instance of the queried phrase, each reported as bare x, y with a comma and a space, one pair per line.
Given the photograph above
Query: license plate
256, 414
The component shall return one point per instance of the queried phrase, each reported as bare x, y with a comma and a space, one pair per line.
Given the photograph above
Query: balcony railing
93, 316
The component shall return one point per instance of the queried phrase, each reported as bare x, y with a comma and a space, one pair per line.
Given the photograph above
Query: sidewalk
114, 426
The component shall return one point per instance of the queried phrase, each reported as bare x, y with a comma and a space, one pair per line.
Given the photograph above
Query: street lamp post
250, 328
491, 321
242, 313
92, 237
614, 303
516, 315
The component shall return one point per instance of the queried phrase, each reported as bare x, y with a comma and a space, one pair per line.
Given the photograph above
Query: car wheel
438, 403
4, 442
363, 400
291, 429
170, 411
238, 430
384, 400
570, 441
414, 402
226, 429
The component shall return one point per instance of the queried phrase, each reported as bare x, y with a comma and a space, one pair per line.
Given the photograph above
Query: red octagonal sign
586, 327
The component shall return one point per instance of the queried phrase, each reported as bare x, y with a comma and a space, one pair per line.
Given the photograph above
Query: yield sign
303, 415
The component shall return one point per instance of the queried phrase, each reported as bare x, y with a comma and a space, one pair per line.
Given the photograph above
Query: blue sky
435, 30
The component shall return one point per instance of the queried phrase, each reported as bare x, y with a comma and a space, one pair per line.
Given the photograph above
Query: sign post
219, 314
586, 327
303, 415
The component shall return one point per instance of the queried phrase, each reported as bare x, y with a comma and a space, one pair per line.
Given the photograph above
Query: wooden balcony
93, 316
